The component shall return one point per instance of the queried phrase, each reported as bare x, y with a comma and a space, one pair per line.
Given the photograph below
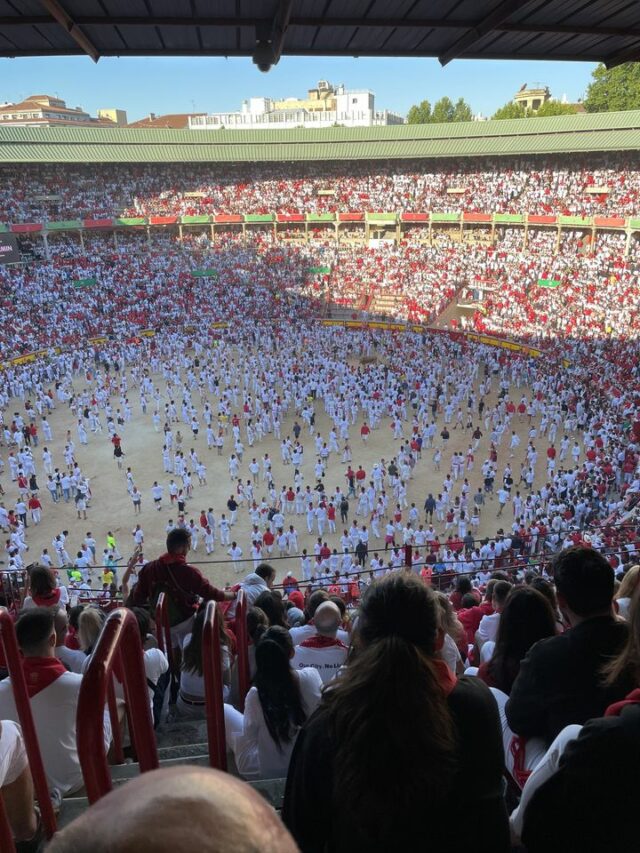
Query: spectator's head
468, 600
257, 623
499, 597
197, 808
315, 600
36, 633
61, 624
144, 622
488, 593
271, 604
625, 666
394, 665
327, 619
41, 581
548, 590
74, 616
192, 660
629, 583
89, 626
463, 585
339, 603
295, 617
585, 583
267, 573
296, 598
178, 541
526, 618
277, 685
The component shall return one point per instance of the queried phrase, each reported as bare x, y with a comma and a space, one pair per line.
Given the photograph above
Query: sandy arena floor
111, 507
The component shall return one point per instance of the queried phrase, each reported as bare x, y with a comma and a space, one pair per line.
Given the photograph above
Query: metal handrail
212, 671
25, 716
121, 627
163, 630
244, 678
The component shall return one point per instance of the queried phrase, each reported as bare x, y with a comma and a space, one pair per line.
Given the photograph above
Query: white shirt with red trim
325, 654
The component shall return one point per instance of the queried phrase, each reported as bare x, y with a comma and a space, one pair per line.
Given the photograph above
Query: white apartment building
325, 106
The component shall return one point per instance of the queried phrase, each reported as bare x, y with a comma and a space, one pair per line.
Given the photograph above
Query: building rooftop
585, 132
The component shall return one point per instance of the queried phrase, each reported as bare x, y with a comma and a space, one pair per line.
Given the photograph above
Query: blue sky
144, 85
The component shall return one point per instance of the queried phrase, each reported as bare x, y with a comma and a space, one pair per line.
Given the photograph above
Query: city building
532, 97
175, 121
325, 106
117, 117
47, 111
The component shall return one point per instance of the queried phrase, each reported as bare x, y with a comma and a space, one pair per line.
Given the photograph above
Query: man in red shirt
184, 585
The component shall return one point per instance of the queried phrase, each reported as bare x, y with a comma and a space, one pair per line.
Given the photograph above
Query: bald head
169, 811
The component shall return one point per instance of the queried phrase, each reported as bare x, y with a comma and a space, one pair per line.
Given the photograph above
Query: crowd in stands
558, 185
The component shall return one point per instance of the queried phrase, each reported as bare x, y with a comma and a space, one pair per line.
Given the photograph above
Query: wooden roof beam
499, 15
67, 23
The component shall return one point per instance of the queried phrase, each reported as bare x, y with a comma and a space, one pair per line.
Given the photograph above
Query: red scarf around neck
40, 673
616, 709
49, 599
320, 642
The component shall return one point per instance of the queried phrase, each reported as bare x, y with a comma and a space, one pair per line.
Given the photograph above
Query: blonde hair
626, 664
629, 583
89, 627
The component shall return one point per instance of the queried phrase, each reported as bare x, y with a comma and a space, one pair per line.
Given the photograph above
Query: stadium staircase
386, 304
179, 743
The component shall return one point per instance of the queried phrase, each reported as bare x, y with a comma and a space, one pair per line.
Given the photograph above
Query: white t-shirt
256, 753
488, 628
450, 653
54, 714
155, 664
73, 659
192, 684
13, 755
299, 635
327, 659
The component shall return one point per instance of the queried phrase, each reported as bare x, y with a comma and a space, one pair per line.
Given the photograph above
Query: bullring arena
354, 370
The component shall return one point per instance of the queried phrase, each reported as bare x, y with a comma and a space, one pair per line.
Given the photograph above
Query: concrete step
72, 807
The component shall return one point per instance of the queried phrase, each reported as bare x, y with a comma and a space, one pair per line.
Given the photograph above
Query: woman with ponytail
400, 755
276, 706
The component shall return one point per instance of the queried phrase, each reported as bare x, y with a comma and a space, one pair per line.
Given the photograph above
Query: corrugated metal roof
590, 30
562, 134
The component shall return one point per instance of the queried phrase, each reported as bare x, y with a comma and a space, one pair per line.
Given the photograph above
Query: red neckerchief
616, 709
446, 678
320, 642
49, 600
40, 673
173, 558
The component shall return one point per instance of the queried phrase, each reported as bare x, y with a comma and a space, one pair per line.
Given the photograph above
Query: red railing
212, 668
25, 717
242, 638
163, 630
120, 628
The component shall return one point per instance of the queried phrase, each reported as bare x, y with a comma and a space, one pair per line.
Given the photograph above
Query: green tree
510, 110
462, 111
443, 110
420, 113
614, 88
556, 108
